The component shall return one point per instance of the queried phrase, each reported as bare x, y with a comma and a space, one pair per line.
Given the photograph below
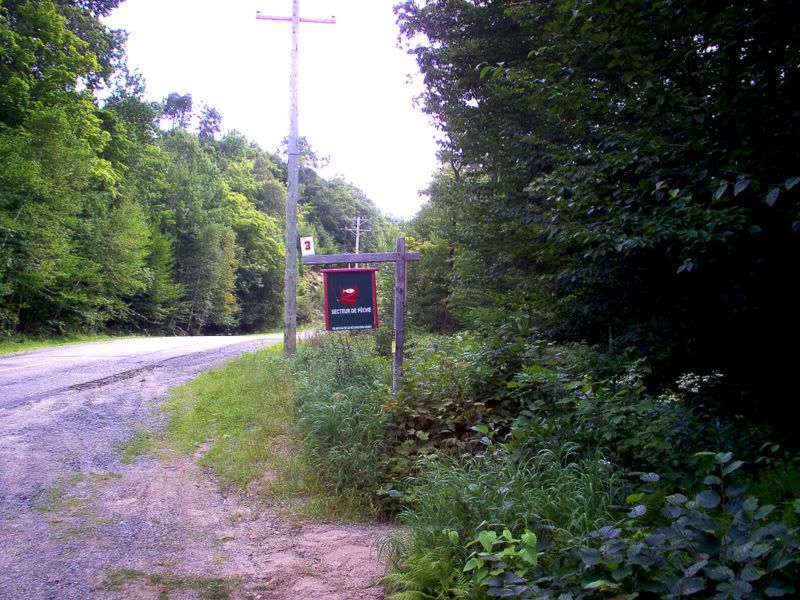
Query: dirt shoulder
77, 523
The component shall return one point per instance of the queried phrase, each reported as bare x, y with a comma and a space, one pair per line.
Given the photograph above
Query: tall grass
340, 386
555, 492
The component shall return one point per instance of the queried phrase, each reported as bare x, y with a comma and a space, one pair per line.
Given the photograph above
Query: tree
178, 108
628, 170
210, 123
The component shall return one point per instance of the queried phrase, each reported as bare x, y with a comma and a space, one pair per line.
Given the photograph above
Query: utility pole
358, 230
290, 273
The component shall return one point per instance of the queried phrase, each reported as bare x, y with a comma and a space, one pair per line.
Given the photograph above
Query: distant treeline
131, 214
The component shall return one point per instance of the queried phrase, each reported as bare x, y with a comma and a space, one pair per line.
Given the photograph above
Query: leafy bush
719, 543
557, 393
556, 493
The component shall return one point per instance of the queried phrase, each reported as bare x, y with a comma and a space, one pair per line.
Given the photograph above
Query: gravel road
76, 523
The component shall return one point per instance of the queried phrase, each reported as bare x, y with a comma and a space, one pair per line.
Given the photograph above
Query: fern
432, 575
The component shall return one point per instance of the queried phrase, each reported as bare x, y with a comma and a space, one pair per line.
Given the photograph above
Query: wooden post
399, 313
290, 271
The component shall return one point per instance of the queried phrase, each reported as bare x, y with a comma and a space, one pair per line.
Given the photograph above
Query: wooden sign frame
399, 257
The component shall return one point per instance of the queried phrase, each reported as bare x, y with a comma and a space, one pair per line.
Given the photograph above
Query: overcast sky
356, 101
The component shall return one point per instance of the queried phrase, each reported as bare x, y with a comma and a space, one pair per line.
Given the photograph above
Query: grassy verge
240, 422
22, 343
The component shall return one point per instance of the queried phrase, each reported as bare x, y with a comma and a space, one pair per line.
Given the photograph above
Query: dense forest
621, 173
120, 213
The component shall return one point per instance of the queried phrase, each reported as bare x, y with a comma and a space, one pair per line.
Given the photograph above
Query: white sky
355, 98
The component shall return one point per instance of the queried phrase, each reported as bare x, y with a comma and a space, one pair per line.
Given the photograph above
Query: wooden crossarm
363, 257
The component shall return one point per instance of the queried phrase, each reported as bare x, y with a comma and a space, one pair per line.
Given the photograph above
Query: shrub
556, 493
719, 543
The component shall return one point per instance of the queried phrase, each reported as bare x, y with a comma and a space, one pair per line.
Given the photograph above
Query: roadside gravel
76, 523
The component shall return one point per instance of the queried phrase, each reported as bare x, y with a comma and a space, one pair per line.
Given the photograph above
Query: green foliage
339, 388
502, 565
109, 221
564, 429
718, 543
431, 575
435, 407
555, 492
310, 298
611, 177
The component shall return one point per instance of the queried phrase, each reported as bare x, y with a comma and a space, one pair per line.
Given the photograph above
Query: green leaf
712, 480
529, 539
751, 573
590, 557
791, 182
723, 457
741, 185
487, 539
601, 585
692, 585
708, 499
720, 573
721, 190
750, 504
693, 570
529, 556
772, 197
637, 511
472, 563
676, 499
760, 550
777, 590
732, 467
634, 498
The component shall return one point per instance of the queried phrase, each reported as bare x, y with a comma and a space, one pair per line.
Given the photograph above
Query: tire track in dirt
76, 523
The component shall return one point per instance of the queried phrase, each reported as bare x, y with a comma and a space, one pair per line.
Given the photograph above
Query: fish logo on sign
348, 296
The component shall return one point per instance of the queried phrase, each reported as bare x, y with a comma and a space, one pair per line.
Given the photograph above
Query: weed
556, 493
207, 587
340, 388
69, 504
53, 500
141, 442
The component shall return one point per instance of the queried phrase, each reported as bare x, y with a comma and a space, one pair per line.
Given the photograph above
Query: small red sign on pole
351, 299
